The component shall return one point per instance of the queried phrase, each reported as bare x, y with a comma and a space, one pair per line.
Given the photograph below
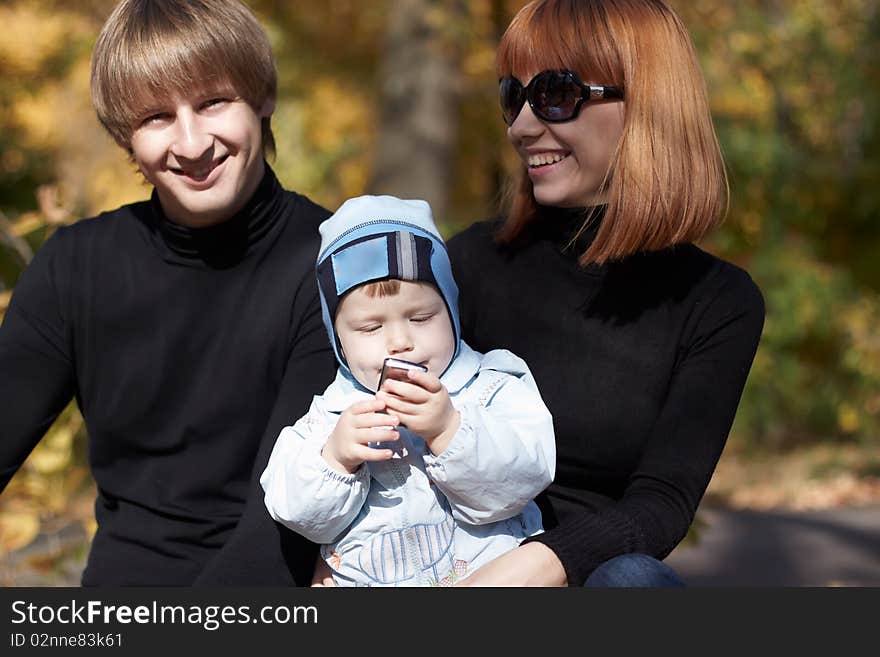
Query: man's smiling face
202, 152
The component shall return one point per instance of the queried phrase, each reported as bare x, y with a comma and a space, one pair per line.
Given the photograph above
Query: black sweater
641, 362
176, 344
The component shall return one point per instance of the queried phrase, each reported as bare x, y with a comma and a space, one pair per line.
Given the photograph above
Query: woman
640, 342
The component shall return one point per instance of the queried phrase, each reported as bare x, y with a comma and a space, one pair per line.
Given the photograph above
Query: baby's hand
347, 449
423, 405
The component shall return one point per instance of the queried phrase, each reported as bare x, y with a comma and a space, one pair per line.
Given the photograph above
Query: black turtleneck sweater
176, 344
641, 362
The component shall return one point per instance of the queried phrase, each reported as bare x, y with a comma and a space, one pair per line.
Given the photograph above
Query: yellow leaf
17, 529
91, 526
53, 454
848, 418
27, 223
30, 38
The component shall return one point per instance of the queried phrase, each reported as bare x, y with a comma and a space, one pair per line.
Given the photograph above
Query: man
187, 327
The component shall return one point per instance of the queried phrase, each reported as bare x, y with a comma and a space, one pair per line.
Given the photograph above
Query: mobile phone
396, 368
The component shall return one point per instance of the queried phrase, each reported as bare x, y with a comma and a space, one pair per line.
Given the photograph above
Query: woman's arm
684, 444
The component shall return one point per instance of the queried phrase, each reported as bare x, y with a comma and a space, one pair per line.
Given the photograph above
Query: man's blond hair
151, 49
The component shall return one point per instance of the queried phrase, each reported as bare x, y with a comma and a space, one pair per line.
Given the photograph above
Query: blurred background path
827, 547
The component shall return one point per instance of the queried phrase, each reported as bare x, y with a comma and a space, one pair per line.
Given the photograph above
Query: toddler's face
413, 324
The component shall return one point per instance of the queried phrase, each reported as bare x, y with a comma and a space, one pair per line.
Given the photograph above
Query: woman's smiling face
567, 162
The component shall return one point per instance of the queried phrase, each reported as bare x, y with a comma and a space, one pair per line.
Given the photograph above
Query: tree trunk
419, 102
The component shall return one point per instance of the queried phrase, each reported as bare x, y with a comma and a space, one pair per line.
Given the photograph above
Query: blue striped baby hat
372, 238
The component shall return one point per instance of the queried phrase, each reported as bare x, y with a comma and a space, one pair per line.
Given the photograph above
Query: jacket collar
345, 390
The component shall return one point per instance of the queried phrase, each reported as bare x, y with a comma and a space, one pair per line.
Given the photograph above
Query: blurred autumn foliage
795, 93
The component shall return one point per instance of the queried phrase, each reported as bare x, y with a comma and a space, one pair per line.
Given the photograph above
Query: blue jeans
634, 570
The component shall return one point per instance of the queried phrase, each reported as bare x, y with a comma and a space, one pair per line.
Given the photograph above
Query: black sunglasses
554, 96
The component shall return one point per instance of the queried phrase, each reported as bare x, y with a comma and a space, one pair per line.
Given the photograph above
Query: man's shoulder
106, 227
299, 237
306, 212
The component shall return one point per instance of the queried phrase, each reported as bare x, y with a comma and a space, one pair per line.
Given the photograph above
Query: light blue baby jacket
420, 519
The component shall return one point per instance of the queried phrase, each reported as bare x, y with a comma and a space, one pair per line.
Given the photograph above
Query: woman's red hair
666, 183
